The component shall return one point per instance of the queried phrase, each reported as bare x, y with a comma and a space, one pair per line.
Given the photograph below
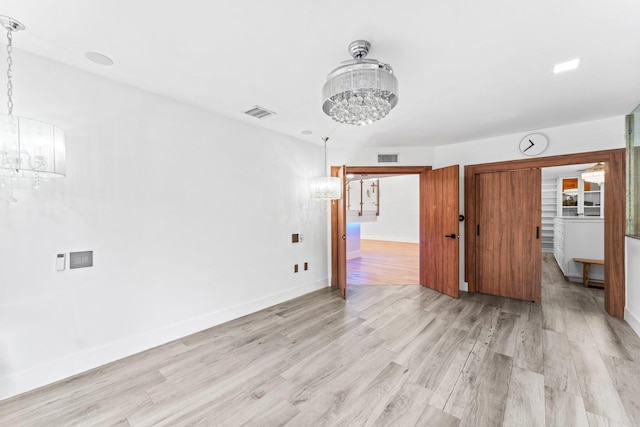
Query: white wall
342, 154
353, 240
189, 216
632, 309
399, 219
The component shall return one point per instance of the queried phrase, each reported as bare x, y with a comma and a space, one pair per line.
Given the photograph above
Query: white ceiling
467, 70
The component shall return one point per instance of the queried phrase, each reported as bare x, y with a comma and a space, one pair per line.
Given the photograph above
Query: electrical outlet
295, 268
306, 266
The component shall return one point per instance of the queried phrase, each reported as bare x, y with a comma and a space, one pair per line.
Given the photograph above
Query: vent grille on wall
259, 112
387, 158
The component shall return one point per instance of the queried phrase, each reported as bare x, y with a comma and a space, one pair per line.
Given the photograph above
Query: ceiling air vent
387, 158
259, 112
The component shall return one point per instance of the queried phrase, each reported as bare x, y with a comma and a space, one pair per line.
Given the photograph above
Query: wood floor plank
526, 399
505, 337
598, 392
600, 421
487, 408
388, 355
451, 375
605, 338
564, 409
405, 407
466, 388
385, 263
367, 407
435, 417
625, 375
529, 347
559, 369
576, 326
552, 319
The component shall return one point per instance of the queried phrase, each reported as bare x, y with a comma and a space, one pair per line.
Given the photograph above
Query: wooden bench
586, 264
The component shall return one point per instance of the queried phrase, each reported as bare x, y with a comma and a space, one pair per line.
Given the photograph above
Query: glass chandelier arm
9, 71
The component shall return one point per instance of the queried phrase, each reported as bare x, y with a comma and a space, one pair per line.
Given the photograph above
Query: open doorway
439, 224
383, 229
573, 223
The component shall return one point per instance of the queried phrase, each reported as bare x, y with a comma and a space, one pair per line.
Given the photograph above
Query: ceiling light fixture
594, 174
361, 91
29, 150
566, 66
326, 187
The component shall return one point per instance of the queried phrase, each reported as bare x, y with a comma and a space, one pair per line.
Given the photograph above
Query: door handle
344, 237
451, 236
537, 232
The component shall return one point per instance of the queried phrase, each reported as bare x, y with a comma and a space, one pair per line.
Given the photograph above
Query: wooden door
339, 236
439, 230
508, 242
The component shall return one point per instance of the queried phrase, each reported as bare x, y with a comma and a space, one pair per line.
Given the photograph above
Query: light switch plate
60, 262
81, 259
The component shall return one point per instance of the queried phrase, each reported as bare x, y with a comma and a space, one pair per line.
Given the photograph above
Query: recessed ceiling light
566, 66
99, 58
306, 132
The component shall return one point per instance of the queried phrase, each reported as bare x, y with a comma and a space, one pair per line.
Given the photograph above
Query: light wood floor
389, 355
385, 263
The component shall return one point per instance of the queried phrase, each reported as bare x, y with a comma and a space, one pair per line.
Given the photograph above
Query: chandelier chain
9, 72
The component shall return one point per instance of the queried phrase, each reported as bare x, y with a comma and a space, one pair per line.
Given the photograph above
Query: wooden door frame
380, 170
614, 215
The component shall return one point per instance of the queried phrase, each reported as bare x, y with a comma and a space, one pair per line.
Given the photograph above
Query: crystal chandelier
361, 90
29, 150
594, 174
326, 187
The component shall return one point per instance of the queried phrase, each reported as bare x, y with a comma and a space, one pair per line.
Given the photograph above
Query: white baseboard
464, 286
391, 238
56, 370
354, 254
632, 320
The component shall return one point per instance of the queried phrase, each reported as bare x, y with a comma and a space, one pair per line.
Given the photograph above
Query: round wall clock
533, 144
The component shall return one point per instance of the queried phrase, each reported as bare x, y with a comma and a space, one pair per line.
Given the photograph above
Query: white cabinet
578, 238
579, 198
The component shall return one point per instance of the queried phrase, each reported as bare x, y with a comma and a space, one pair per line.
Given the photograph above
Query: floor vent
387, 158
259, 112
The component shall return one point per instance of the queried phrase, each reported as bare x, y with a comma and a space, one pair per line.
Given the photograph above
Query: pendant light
326, 187
30, 151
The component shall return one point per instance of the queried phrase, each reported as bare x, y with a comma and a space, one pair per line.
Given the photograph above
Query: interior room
383, 230
573, 222
175, 202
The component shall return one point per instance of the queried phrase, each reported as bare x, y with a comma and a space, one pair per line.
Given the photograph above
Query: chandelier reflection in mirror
361, 91
30, 151
594, 174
